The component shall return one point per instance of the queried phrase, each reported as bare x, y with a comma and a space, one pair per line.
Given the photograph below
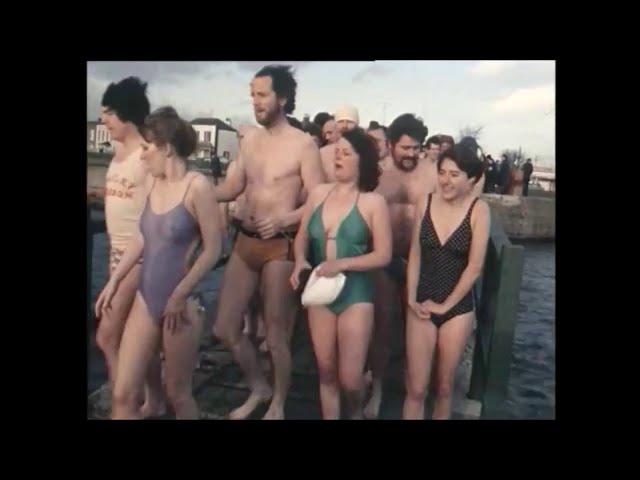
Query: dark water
532, 385
532, 382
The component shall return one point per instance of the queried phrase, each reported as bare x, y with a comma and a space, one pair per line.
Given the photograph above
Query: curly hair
407, 124
282, 82
128, 98
367, 150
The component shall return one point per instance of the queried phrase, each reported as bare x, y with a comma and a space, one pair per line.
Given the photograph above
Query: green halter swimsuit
352, 240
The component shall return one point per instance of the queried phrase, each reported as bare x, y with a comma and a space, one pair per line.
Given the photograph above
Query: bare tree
469, 131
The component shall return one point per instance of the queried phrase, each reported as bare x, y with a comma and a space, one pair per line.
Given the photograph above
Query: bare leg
323, 327
355, 327
421, 340
113, 320
109, 336
238, 285
386, 303
452, 339
279, 306
140, 342
154, 404
181, 350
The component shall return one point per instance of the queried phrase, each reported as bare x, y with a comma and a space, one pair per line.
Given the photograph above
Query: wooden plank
501, 343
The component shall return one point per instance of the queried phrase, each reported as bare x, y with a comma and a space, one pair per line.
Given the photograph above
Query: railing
497, 311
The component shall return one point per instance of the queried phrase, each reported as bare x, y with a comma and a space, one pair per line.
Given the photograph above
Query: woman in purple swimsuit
180, 212
450, 236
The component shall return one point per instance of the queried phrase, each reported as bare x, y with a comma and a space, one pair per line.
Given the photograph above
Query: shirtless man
124, 108
346, 118
379, 134
432, 149
403, 185
329, 132
274, 164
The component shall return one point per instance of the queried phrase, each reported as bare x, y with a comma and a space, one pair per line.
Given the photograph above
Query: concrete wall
530, 218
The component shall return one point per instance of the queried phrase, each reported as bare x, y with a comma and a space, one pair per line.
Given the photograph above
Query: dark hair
314, 130
407, 124
294, 122
433, 140
367, 150
373, 125
282, 82
321, 118
164, 125
468, 156
128, 98
446, 139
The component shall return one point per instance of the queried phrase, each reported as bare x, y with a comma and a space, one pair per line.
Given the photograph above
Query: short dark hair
468, 156
321, 118
446, 139
433, 140
314, 130
367, 150
407, 124
295, 123
282, 82
373, 125
164, 125
128, 99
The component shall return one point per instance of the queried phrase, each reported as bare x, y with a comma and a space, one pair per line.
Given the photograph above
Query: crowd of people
397, 212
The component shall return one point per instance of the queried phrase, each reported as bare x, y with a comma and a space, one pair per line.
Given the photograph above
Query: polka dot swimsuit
442, 265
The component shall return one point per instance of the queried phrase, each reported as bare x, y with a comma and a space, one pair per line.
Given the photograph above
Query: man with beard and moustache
346, 118
274, 164
403, 185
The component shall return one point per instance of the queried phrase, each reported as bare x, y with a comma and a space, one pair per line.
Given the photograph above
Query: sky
514, 101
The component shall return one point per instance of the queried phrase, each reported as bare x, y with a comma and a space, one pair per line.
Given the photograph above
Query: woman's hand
330, 268
294, 279
175, 313
104, 299
437, 308
420, 310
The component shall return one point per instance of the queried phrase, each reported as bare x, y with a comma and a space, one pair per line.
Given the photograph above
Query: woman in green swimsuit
345, 228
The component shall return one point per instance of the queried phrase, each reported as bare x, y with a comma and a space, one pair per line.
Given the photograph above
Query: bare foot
264, 348
257, 397
153, 409
373, 406
275, 412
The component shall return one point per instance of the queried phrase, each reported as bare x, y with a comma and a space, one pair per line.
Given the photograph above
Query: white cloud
527, 100
489, 68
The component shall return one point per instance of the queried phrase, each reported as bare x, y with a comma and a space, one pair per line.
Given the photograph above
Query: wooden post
499, 354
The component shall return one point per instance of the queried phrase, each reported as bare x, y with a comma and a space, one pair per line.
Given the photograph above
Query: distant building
98, 137
215, 137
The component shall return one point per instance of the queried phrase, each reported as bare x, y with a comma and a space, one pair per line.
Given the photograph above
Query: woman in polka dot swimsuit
450, 237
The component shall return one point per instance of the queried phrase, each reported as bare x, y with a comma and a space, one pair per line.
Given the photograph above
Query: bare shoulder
327, 150
200, 184
304, 141
373, 201
480, 211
